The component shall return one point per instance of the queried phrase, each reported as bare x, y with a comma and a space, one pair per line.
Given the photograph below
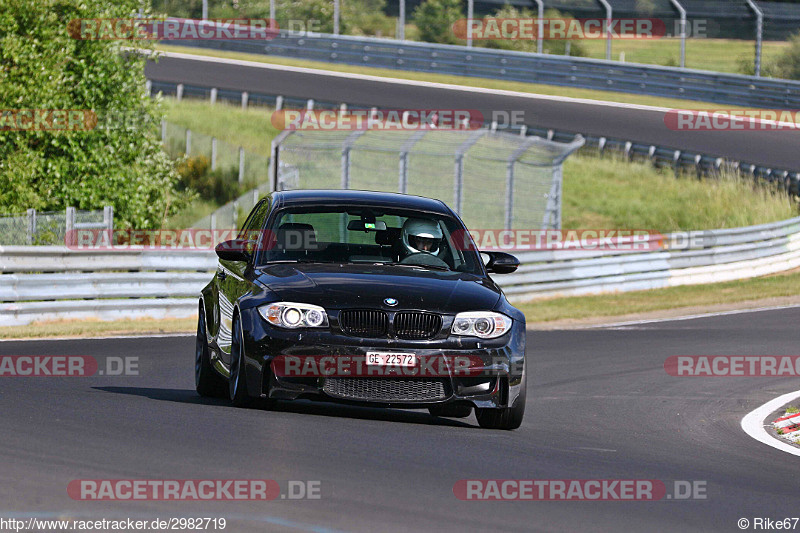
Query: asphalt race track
600, 406
777, 149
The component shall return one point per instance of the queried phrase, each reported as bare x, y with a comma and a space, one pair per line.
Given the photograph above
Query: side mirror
501, 262
235, 250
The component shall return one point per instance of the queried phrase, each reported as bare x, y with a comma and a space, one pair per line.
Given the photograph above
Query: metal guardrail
678, 160
672, 82
166, 284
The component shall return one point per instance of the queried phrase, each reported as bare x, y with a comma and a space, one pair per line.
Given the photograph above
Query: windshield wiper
431, 267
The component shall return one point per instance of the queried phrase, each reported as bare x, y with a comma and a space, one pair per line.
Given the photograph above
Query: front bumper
493, 380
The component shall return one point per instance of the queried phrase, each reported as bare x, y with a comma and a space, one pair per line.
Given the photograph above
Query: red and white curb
753, 423
788, 426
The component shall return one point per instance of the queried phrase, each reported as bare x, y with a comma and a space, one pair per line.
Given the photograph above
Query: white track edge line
753, 423
689, 317
94, 338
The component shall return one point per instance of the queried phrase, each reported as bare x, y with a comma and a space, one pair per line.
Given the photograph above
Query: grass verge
720, 55
554, 90
96, 328
696, 297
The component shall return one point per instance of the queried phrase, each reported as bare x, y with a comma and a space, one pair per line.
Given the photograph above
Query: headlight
293, 315
483, 324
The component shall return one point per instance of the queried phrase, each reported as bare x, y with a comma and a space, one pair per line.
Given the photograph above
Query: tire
206, 380
459, 410
237, 383
507, 418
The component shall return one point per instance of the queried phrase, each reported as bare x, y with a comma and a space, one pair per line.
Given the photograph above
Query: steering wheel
424, 259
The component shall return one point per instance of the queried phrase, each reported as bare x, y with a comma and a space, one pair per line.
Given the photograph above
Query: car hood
339, 286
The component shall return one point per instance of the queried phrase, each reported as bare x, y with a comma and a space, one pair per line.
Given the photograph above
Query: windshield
369, 235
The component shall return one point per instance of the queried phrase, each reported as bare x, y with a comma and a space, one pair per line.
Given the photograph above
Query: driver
421, 235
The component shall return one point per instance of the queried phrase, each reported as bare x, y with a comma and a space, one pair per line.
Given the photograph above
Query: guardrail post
241, 164
213, 221
213, 153
188, 141
163, 130
179, 92
245, 98
676, 158
148, 87
609, 16
278, 103
540, 22
628, 146
759, 31
682, 13
69, 223
697, 159
235, 213
601, 145
213, 96
336, 11
108, 218
401, 21
31, 231
523, 130
470, 14
310, 104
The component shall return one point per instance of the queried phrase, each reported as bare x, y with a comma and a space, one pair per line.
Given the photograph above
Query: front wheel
237, 383
508, 418
206, 380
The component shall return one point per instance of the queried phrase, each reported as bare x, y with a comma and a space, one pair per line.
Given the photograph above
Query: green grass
250, 129
613, 193
610, 96
721, 55
627, 303
94, 328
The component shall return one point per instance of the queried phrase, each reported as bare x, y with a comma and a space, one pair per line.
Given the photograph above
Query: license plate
391, 359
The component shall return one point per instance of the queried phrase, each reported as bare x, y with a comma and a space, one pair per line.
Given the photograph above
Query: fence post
70, 226
213, 221
241, 164
179, 92
108, 218
235, 214
31, 226
188, 141
245, 99
163, 130
213, 95
148, 87
759, 31
213, 153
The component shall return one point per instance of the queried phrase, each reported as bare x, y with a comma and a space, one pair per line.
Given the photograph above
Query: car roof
358, 198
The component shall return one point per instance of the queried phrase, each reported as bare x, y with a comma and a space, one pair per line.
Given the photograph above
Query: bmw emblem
391, 302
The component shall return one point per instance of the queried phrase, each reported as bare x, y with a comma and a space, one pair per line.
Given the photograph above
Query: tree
549, 46
435, 19
119, 162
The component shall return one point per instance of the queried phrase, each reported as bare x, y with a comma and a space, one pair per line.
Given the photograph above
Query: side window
256, 219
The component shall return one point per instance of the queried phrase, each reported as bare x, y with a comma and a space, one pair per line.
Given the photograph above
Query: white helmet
421, 235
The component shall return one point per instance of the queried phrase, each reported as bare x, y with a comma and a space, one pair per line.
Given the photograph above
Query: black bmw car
362, 297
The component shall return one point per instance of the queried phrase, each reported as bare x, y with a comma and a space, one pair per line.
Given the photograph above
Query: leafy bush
435, 19
196, 176
43, 67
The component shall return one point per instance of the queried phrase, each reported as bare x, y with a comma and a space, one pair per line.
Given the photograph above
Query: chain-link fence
50, 227
491, 179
